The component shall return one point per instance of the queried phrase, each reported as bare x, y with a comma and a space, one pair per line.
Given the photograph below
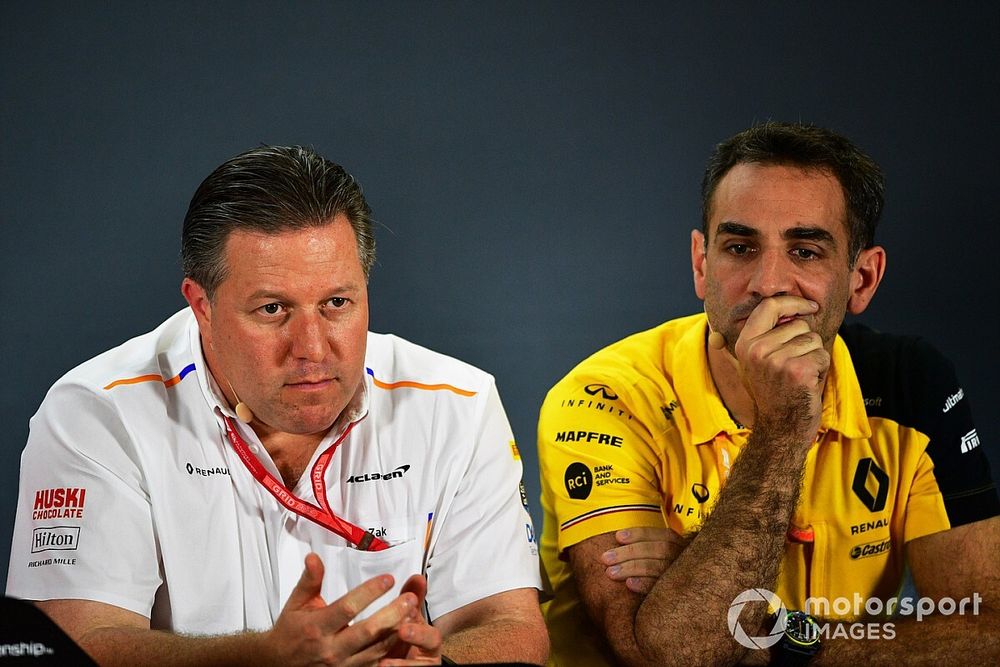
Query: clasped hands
311, 632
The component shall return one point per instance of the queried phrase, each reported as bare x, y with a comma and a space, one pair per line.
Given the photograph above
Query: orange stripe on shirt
154, 377
418, 385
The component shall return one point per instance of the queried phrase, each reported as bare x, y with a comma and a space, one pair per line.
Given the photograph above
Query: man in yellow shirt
783, 450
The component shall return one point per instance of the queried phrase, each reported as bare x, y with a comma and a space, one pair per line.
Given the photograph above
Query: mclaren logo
379, 476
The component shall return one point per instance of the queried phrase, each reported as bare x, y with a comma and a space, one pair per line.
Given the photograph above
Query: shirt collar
209, 387
843, 405
706, 414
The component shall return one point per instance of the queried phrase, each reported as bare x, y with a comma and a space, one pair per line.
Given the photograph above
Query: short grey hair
269, 190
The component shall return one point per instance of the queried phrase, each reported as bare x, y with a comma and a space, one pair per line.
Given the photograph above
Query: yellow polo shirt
637, 435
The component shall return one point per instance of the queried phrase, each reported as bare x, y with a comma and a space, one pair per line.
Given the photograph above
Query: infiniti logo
604, 390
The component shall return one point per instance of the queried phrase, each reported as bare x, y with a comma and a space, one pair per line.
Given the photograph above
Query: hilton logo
57, 538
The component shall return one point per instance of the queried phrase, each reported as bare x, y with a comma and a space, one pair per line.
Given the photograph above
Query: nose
773, 275
308, 337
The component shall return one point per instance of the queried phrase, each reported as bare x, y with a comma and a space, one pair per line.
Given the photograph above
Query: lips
309, 383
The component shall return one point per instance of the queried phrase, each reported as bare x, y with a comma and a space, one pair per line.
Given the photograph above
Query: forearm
935, 640
135, 646
739, 547
500, 640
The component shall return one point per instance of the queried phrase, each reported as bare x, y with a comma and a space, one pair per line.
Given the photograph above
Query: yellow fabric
643, 418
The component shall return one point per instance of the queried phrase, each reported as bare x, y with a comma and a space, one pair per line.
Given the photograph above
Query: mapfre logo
590, 437
59, 503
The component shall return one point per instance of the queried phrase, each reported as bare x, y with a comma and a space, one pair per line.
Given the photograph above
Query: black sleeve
919, 389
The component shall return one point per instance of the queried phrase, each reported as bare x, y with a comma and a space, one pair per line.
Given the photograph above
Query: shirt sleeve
956, 461
925, 508
598, 464
485, 544
83, 528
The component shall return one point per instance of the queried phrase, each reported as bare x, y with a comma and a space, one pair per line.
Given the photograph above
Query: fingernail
386, 581
608, 557
614, 570
623, 534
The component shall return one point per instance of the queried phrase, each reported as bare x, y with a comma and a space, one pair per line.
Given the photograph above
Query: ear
197, 298
865, 278
698, 251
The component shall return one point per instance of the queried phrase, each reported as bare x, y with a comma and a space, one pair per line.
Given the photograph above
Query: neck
726, 375
290, 452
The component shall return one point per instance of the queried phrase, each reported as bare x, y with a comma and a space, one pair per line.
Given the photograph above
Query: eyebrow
817, 234
810, 234
278, 295
735, 229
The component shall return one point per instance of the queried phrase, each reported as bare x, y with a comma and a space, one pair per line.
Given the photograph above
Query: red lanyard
359, 537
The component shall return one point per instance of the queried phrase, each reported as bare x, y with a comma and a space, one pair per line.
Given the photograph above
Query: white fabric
143, 504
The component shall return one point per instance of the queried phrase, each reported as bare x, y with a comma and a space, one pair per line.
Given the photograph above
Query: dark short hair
808, 147
269, 190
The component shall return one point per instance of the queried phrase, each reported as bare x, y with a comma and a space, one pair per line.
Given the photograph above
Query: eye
805, 253
738, 249
270, 308
338, 302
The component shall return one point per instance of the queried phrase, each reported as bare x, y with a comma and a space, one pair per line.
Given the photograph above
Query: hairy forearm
499, 640
934, 640
135, 646
683, 619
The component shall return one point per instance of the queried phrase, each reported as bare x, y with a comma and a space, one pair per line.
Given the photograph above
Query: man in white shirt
173, 487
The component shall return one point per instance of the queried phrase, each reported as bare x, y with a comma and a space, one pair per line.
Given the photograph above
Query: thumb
310, 584
417, 585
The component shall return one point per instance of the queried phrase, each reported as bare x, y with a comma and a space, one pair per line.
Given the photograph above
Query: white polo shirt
132, 495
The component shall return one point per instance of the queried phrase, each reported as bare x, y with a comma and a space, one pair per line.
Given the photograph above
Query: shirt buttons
254, 448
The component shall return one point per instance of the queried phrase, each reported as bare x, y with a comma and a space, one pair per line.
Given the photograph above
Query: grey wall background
535, 166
